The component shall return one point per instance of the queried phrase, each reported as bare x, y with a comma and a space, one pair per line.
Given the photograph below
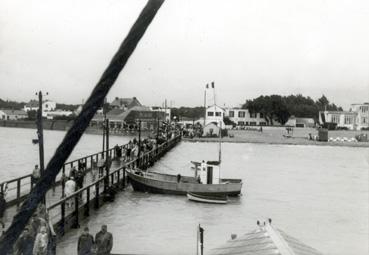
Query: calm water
316, 194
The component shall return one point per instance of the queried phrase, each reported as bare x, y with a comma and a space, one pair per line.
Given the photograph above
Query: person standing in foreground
41, 242
24, 244
104, 241
85, 243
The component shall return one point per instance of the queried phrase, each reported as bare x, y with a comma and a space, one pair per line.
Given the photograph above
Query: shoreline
315, 143
304, 142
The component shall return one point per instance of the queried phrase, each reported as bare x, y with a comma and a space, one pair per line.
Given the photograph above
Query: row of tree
280, 108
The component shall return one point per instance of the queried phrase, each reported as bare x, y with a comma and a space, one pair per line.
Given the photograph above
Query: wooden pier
90, 197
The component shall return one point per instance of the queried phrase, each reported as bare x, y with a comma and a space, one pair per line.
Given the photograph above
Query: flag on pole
212, 84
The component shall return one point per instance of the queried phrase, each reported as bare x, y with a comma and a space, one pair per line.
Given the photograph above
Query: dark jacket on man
85, 244
104, 243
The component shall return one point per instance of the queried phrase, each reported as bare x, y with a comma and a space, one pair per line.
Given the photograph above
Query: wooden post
63, 218
97, 195
87, 205
124, 177
76, 211
18, 190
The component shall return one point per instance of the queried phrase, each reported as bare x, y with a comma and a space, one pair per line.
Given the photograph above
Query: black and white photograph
184, 127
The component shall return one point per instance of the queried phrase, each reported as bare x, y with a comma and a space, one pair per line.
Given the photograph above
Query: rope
80, 124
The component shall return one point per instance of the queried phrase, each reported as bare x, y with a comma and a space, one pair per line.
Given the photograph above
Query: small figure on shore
41, 242
104, 241
24, 244
36, 175
85, 243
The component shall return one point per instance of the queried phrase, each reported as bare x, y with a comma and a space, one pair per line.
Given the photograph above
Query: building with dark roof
8, 114
124, 103
128, 119
265, 240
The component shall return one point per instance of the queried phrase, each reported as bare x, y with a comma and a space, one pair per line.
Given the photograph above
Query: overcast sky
248, 47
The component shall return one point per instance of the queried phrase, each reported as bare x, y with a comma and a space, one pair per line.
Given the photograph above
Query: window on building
348, 119
241, 123
252, 123
218, 114
261, 115
253, 114
262, 123
335, 118
231, 114
210, 114
364, 108
364, 120
241, 114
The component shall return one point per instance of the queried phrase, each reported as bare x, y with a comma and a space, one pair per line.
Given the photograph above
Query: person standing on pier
104, 241
36, 174
24, 244
70, 188
85, 243
41, 242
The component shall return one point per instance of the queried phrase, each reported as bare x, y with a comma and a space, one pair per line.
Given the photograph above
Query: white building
6, 114
47, 106
57, 113
362, 118
355, 119
242, 117
166, 111
341, 118
214, 114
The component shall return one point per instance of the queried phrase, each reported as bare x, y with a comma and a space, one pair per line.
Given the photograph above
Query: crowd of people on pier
38, 237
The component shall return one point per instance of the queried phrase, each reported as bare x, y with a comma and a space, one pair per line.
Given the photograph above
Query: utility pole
40, 134
107, 158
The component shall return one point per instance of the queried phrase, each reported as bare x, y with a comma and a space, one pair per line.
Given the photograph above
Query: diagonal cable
80, 124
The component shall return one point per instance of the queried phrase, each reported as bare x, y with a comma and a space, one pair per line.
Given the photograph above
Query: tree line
281, 108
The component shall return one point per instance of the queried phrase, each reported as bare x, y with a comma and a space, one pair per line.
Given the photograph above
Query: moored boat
207, 199
206, 182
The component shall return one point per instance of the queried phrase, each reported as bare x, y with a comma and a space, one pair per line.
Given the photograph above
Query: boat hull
167, 186
207, 199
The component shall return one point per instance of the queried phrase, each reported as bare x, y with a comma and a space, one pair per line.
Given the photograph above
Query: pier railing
17, 189
69, 211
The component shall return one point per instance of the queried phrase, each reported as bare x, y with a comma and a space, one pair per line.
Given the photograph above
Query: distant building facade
47, 106
166, 111
124, 103
362, 118
300, 122
355, 119
242, 117
7, 114
215, 114
120, 119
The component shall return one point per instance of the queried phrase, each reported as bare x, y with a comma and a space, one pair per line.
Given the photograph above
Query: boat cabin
207, 172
